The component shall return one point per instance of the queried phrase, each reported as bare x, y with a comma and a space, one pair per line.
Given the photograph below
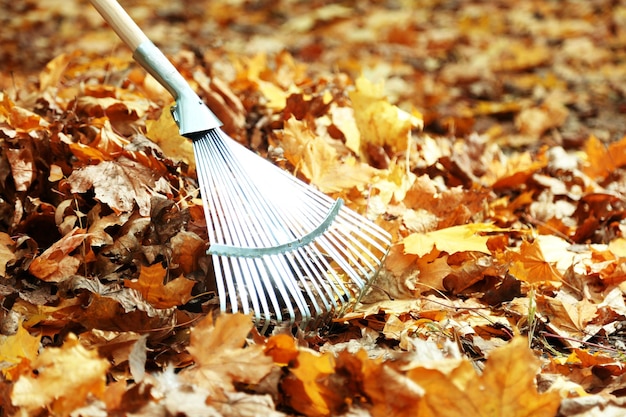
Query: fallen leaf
63, 380
309, 390
15, 349
165, 132
529, 265
380, 123
7, 252
507, 386
56, 264
119, 184
320, 162
150, 285
464, 238
221, 360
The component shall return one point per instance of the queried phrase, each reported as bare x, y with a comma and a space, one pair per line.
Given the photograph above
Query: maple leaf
221, 360
119, 184
464, 238
506, 388
165, 133
16, 349
602, 160
309, 389
65, 378
391, 393
529, 264
569, 317
150, 285
320, 162
381, 123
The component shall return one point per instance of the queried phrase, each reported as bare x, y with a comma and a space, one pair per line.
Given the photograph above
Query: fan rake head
281, 250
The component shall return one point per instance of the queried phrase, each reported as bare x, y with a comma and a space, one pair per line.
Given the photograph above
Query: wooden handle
121, 22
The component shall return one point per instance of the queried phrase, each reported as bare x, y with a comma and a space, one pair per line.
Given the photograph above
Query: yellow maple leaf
463, 238
165, 133
506, 388
15, 348
320, 162
380, 122
65, 378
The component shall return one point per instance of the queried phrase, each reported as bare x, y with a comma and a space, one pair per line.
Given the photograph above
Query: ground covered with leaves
488, 137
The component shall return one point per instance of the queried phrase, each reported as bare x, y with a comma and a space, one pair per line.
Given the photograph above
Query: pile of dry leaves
488, 138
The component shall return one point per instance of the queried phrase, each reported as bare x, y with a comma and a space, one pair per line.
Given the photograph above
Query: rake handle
190, 113
120, 22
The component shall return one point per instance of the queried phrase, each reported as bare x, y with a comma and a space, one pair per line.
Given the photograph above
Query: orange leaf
531, 266
309, 390
390, 392
602, 160
282, 348
150, 285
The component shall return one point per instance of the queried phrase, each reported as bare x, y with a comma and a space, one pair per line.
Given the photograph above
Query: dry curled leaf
120, 184
56, 263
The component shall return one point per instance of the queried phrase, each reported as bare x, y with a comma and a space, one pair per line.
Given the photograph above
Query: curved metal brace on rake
247, 252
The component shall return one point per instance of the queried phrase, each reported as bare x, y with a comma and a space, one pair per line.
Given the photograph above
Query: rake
281, 250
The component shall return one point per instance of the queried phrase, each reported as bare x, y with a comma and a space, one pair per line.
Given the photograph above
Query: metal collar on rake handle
281, 250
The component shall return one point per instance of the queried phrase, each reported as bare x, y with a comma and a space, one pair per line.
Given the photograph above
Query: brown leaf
22, 167
7, 252
187, 247
119, 184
